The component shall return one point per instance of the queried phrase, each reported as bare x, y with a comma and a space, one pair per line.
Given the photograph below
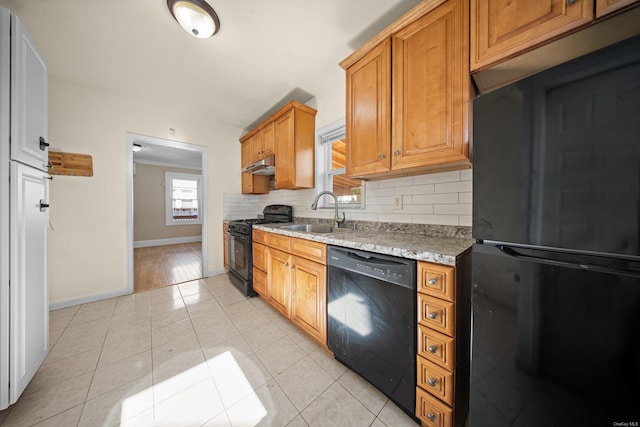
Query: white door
29, 313
29, 88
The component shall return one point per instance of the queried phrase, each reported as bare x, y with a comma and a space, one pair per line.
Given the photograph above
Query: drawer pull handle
432, 282
432, 315
432, 382
431, 416
432, 349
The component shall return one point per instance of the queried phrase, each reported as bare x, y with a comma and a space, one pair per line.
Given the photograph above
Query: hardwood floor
160, 266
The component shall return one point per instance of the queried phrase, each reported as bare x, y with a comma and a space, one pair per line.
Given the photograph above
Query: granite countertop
422, 247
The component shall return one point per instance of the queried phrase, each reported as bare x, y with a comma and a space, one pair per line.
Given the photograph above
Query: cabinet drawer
431, 411
436, 280
435, 380
260, 256
435, 313
311, 250
260, 282
259, 236
436, 347
279, 241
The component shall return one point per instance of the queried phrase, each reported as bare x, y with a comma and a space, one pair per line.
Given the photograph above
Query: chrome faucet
336, 219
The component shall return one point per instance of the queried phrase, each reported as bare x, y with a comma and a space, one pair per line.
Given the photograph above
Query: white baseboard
87, 299
163, 242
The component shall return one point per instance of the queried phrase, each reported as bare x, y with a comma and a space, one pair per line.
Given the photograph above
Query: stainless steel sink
314, 228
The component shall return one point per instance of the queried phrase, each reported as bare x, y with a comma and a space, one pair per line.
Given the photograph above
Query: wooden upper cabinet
252, 184
294, 134
246, 148
432, 89
605, 7
268, 139
288, 135
504, 28
262, 143
369, 112
408, 95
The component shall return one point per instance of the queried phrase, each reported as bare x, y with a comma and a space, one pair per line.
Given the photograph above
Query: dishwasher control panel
399, 271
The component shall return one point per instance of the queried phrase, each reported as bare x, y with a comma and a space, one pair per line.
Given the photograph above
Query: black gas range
240, 245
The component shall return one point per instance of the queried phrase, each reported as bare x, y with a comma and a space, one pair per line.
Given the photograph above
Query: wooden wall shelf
70, 164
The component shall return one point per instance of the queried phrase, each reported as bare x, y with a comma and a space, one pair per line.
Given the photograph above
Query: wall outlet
397, 201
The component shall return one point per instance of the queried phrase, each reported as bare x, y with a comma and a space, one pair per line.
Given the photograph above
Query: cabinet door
284, 132
29, 316
260, 282
431, 89
309, 298
279, 280
256, 147
246, 153
268, 139
368, 113
29, 88
604, 7
504, 28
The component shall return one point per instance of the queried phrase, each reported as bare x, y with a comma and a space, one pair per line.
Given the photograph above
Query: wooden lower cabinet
443, 342
260, 282
309, 296
279, 280
291, 275
431, 411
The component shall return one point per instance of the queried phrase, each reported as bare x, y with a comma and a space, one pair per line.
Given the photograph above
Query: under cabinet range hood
262, 167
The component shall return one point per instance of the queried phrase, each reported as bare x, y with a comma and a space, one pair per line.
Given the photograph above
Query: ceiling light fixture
136, 147
196, 17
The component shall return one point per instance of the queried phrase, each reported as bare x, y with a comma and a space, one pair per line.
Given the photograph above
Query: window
182, 196
331, 169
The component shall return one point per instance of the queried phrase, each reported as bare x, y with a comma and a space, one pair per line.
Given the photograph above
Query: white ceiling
266, 52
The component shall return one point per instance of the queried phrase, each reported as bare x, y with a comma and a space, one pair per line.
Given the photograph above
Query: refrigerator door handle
580, 266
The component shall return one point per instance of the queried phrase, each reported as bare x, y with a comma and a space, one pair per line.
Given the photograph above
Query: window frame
324, 138
168, 197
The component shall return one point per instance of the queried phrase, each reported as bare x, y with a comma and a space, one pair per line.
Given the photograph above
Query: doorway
166, 212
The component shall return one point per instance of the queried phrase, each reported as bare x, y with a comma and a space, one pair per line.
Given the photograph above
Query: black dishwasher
372, 319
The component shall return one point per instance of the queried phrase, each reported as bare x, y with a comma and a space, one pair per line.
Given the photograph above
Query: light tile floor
195, 354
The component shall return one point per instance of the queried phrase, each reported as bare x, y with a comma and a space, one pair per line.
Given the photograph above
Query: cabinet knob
431, 416
571, 1
43, 144
432, 349
432, 282
43, 205
432, 315
286, 265
397, 153
432, 382
382, 155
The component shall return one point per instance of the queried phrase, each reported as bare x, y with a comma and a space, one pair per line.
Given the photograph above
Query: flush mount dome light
196, 17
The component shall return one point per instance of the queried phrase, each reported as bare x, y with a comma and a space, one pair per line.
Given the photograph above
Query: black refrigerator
556, 263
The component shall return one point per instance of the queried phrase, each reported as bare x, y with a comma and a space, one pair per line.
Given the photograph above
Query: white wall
441, 198
87, 245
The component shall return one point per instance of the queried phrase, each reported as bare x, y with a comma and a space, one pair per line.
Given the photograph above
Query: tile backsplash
440, 198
